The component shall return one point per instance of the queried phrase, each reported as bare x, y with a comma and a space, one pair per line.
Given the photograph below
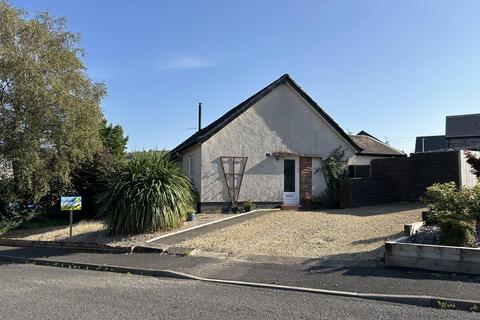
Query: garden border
451, 259
80, 246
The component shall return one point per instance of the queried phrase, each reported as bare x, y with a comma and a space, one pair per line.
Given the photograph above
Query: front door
290, 182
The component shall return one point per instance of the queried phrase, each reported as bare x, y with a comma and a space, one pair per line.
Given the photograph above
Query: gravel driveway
345, 234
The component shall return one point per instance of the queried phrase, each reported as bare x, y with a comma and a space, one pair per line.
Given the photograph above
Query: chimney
199, 116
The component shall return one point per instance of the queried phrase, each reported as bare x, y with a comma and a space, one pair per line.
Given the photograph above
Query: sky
392, 68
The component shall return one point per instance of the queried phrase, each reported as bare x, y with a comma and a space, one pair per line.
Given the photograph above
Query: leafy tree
88, 179
49, 109
113, 139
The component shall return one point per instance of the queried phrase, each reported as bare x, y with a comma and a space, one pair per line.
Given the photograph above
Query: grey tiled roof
374, 147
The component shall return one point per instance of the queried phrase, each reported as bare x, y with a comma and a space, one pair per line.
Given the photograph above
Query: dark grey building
430, 144
462, 132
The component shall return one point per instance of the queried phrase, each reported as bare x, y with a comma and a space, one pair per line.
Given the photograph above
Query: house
430, 144
268, 149
462, 132
372, 148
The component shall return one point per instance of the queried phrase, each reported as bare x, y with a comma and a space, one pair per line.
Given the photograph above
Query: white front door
290, 181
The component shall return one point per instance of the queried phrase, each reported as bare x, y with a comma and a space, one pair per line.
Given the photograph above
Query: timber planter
432, 257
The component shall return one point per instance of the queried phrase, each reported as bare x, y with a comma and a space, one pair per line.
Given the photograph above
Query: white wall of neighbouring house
359, 160
282, 121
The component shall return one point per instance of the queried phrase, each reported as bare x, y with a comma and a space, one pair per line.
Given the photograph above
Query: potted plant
249, 205
191, 215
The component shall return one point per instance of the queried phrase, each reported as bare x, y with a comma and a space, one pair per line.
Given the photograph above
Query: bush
235, 209
454, 211
88, 180
149, 194
457, 232
249, 205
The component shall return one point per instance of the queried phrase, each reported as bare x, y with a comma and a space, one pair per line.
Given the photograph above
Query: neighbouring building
269, 149
462, 132
372, 148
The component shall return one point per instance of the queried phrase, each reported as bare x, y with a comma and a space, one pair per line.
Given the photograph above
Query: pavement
37, 292
318, 274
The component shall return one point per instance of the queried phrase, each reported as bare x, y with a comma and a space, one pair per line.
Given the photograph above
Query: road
36, 292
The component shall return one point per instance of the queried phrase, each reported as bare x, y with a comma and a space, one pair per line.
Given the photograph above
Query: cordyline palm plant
149, 194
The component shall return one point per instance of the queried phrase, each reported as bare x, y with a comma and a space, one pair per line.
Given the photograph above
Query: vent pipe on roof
199, 116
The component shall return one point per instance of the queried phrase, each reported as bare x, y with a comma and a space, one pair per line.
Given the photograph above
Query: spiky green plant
150, 193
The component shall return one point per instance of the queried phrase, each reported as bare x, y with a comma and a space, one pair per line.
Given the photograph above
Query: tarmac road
37, 292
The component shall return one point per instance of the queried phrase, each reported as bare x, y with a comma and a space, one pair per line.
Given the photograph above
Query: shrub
455, 211
149, 194
87, 180
249, 205
457, 232
235, 209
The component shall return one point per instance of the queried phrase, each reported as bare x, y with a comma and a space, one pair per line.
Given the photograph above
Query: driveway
347, 234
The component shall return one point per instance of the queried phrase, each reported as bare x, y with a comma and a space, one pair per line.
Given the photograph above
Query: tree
474, 162
113, 139
49, 109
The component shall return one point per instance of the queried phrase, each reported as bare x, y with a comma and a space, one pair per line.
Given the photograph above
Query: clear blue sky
392, 68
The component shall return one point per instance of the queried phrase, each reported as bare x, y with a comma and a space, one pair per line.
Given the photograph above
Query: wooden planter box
432, 257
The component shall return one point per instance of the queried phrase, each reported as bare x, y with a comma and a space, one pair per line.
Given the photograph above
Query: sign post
71, 204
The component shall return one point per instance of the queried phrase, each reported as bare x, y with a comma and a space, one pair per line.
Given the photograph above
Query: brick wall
305, 180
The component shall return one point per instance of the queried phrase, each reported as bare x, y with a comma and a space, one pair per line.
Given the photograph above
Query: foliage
334, 170
455, 211
49, 108
235, 209
87, 179
148, 194
249, 205
113, 139
457, 232
474, 162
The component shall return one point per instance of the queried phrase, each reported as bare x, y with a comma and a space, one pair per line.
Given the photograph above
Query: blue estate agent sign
71, 203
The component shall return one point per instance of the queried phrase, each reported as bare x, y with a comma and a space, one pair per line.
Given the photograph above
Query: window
288, 175
190, 167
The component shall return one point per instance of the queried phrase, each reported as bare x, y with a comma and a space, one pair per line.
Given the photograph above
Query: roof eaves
207, 132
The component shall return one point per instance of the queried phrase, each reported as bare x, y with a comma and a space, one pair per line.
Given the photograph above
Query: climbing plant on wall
334, 170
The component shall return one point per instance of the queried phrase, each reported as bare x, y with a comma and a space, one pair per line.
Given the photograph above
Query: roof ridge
205, 133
